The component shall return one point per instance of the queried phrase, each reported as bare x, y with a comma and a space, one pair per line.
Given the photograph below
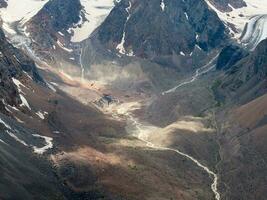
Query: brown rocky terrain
158, 124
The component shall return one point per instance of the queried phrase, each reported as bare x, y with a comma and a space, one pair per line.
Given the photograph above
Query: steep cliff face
152, 28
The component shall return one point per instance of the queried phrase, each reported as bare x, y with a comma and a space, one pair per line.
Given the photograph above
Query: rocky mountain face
245, 76
3, 4
158, 28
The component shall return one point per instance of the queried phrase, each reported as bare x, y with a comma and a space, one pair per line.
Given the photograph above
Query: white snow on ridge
240, 16
95, 12
182, 53
63, 47
18, 84
24, 102
42, 150
20, 10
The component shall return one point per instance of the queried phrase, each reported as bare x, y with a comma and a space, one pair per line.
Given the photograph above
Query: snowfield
19, 10
95, 12
239, 17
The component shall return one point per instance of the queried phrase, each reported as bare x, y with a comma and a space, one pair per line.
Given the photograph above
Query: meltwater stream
202, 70
140, 131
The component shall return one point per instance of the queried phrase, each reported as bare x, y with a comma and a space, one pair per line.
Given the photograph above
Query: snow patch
63, 47
48, 145
24, 102
18, 84
21, 93
182, 53
41, 114
61, 34
186, 15
162, 5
